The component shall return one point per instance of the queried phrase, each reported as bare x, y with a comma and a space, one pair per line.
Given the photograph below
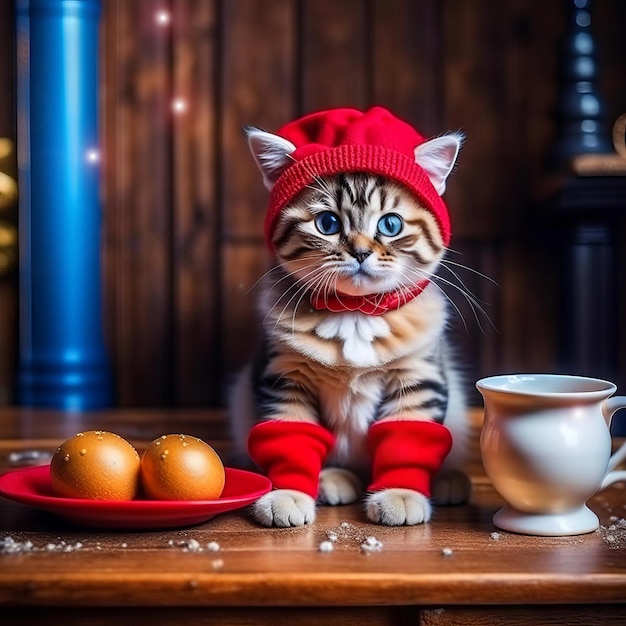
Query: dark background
183, 204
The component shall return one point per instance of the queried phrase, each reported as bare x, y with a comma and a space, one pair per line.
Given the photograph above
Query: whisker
281, 269
445, 262
298, 293
461, 286
258, 281
310, 282
422, 274
474, 303
292, 274
299, 286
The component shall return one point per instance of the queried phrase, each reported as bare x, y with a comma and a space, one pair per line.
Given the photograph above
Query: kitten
355, 375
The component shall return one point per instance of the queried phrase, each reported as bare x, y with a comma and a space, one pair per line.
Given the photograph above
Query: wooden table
459, 569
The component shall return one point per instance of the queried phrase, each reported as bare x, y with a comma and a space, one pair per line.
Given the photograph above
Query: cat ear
271, 153
437, 157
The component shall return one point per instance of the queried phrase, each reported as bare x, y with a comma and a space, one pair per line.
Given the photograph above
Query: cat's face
357, 234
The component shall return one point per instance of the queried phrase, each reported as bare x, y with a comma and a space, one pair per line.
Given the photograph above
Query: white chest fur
348, 408
357, 332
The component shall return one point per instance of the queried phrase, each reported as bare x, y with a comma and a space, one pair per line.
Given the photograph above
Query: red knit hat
347, 140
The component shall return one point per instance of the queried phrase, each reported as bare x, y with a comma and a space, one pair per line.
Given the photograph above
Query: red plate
32, 486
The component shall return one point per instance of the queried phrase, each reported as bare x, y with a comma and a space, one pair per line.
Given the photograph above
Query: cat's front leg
284, 508
405, 456
291, 454
398, 507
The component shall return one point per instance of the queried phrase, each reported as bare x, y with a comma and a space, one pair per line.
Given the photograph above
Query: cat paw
338, 486
284, 508
398, 507
451, 487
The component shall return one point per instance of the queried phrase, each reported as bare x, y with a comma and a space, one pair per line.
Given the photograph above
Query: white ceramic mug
546, 447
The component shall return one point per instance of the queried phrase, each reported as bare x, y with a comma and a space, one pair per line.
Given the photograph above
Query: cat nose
361, 255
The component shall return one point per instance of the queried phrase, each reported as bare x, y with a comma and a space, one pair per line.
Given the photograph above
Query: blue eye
327, 223
390, 225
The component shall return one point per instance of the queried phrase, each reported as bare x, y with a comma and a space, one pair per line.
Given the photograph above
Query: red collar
372, 304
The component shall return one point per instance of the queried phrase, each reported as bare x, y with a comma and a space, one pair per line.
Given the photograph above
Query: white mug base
576, 522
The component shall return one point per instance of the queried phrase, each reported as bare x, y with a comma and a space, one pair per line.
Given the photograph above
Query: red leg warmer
407, 453
291, 454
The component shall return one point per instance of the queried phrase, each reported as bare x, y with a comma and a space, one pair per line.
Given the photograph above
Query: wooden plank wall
184, 204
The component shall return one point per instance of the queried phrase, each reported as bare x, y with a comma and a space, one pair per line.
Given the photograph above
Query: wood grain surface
457, 567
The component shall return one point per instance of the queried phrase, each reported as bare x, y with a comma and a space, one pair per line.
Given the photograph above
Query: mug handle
609, 408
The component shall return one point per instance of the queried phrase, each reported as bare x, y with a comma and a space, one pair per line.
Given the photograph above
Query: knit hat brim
371, 159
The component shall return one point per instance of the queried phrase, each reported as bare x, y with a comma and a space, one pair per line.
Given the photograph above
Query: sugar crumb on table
8, 545
345, 534
371, 544
326, 546
614, 535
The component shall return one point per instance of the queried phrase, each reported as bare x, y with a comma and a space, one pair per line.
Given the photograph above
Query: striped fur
348, 370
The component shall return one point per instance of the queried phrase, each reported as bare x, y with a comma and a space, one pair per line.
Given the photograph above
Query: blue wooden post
63, 363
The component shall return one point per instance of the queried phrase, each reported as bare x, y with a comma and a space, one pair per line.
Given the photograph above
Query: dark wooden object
581, 107
591, 212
